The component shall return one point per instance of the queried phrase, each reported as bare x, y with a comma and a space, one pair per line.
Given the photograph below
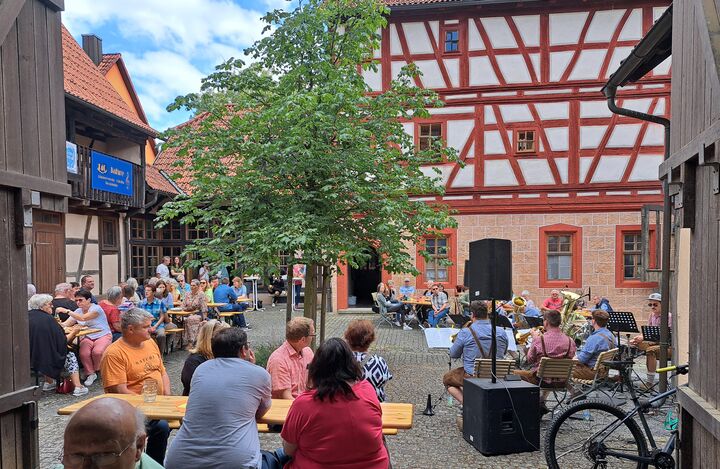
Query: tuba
518, 304
571, 321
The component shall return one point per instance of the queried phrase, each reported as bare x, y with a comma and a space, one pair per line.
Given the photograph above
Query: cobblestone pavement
433, 442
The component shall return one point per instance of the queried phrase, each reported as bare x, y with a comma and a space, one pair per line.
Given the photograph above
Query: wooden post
326, 272
310, 301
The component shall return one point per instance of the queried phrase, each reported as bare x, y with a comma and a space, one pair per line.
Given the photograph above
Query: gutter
610, 91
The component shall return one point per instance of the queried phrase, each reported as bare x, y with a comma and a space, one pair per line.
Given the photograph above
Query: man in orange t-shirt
129, 362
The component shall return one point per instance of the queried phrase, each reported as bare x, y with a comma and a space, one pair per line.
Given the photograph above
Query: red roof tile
108, 61
84, 81
169, 155
157, 180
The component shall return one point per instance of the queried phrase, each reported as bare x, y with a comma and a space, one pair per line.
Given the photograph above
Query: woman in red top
338, 422
112, 313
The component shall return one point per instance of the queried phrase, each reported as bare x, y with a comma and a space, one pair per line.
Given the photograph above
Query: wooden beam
700, 409
56, 5
9, 11
25, 181
15, 399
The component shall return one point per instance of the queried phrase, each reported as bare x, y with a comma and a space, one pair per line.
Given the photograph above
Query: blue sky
169, 46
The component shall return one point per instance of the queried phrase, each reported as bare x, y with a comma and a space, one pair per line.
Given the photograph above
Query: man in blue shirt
466, 346
224, 293
601, 340
407, 290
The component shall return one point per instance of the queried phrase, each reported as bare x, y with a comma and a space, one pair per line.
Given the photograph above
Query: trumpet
521, 338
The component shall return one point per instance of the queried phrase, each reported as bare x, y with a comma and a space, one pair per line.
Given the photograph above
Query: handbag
64, 386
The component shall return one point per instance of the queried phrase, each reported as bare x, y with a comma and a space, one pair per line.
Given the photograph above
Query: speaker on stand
498, 417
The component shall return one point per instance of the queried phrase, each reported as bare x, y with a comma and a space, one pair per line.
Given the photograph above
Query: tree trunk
326, 272
310, 301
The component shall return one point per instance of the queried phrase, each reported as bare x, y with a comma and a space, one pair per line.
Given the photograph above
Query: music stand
534, 322
503, 321
652, 333
622, 321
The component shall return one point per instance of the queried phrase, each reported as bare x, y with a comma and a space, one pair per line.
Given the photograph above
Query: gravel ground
433, 442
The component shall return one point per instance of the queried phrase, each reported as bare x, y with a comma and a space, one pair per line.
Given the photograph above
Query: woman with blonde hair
201, 352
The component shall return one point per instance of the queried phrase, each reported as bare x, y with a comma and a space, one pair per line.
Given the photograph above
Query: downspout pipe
610, 92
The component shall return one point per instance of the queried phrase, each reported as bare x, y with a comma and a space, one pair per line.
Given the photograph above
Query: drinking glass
149, 390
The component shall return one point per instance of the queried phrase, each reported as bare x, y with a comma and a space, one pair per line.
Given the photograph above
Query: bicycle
597, 432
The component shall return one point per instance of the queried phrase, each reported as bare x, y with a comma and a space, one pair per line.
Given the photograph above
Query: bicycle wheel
579, 435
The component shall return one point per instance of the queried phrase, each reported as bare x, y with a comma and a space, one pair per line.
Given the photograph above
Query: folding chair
554, 375
389, 318
599, 379
483, 368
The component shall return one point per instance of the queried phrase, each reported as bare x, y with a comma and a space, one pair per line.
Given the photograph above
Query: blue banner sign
111, 174
71, 157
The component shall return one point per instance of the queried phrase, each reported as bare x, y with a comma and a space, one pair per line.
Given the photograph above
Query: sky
169, 46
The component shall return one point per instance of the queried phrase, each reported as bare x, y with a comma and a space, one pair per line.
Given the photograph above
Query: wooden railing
82, 184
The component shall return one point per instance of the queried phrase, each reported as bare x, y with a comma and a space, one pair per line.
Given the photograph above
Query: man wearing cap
651, 349
406, 290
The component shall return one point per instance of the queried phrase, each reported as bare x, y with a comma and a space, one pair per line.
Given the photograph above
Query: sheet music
441, 337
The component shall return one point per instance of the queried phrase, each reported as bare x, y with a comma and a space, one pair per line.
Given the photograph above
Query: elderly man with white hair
109, 433
49, 353
64, 300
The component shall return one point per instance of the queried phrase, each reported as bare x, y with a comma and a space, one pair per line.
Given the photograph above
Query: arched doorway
362, 281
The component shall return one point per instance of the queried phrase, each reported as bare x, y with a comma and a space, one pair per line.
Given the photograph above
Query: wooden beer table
396, 415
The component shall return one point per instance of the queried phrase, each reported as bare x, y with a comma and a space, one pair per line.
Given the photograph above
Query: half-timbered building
546, 164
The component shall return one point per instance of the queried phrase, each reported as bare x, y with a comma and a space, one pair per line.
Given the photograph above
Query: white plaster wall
75, 226
633, 27
558, 138
619, 54
588, 65
610, 168
373, 78
655, 135
396, 66
453, 70
451, 110
458, 132
529, 28
435, 28
499, 32
660, 107
536, 171
489, 115
535, 59
549, 111
663, 68
590, 135
109, 272
475, 42
465, 176
417, 38
395, 47
431, 75
515, 113
624, 136
481, 72
409, 128
585, 163
562, 166
594, 109
445, 170
646, 168
565, 28
639, 105
513, 68
499, 173
558, 63
493, 143
603, 25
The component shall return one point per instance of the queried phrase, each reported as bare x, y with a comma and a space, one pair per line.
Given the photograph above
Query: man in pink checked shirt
552, 344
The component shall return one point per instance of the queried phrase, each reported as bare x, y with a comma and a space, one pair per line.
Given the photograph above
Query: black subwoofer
501, 417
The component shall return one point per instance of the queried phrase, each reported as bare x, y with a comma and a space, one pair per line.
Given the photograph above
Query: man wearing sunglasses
651, 349
107, 433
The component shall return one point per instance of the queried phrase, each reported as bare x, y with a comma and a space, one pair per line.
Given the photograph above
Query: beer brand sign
111, 174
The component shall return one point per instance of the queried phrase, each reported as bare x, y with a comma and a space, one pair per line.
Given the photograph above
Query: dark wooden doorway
48, 251
363, 281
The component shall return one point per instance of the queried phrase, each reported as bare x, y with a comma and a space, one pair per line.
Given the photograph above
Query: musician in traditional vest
552, 344
601, 340
470, 343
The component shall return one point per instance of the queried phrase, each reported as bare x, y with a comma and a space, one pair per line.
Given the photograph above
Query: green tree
307, 159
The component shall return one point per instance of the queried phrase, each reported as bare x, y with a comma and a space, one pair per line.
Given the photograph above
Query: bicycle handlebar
680, 369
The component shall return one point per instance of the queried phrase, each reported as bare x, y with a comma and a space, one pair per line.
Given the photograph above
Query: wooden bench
265, 428
173, 330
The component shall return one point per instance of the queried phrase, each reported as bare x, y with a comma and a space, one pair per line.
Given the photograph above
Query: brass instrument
518, 304
521, 338
454, 336
572, 322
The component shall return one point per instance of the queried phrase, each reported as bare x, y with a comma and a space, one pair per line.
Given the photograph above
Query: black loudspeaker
490, 269
496, 424
466, 275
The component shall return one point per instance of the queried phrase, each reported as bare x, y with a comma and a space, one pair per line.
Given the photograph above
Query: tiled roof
169, 155
84, 81
391, 3
108, 61
157, 180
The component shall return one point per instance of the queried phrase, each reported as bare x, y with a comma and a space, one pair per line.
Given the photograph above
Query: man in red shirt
554, 302
288, 364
